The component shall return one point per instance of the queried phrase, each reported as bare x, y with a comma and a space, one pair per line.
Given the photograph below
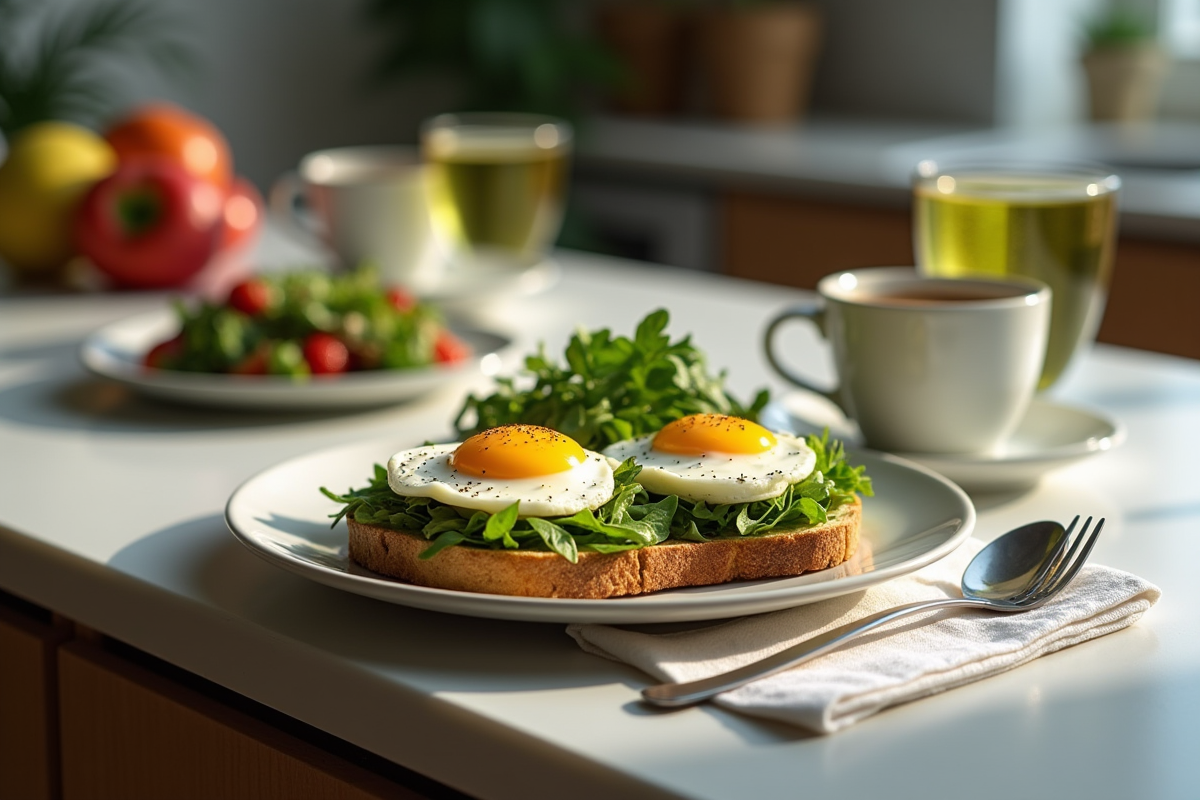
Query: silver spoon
1016, 572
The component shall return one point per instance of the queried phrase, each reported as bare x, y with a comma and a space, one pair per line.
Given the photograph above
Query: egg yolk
517, 451
709, 433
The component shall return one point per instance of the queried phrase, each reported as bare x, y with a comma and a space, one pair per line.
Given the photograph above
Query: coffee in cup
927, 365
367, 205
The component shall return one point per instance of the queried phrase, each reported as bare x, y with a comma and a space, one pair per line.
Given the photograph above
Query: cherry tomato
164, 354
252, 297
449, 349
326, 354
400, 299
253, 364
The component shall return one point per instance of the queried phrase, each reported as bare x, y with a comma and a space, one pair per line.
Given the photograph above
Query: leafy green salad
304, 323
611, 389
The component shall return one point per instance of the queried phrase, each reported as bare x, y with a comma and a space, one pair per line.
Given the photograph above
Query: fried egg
548, 473
717, 459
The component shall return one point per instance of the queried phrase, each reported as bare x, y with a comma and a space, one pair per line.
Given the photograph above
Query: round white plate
1050, 436
915, 518
116, 351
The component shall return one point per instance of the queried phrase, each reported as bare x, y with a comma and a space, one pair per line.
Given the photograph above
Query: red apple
150, 224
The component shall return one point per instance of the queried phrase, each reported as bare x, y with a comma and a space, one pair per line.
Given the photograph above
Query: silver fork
987, 584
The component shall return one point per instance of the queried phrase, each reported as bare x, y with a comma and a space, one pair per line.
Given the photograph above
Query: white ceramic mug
366, 204
927, 365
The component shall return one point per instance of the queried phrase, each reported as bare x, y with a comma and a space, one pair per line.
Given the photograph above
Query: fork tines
1064, 566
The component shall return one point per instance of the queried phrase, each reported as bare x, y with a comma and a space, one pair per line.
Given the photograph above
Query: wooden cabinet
28, 704
129, 732
781, 239
82, 716
1152, 303
1154, 300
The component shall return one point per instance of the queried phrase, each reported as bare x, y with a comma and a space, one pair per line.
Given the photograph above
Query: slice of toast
669, 565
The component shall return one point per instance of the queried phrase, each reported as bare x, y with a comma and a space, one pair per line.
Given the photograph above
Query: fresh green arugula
626, 522
630, 520
832, 483
611, 389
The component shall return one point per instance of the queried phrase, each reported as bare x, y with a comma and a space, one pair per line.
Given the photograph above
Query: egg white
719, 478
426, 472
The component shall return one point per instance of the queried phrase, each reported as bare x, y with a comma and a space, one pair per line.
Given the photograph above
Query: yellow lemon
49, 167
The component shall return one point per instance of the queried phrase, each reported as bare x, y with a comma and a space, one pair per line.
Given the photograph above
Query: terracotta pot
649, 39
1124, 83
759, 61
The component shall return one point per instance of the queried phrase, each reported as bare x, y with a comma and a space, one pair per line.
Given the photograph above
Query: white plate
915, 518
116, 351
1050, 437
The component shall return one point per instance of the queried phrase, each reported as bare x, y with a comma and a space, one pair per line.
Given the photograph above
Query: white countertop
111, 513
857, 161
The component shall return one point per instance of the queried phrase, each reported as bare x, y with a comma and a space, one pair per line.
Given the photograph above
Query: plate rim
242, 391
628, 610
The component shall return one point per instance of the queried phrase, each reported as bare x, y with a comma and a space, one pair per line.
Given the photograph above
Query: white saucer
464, 286
1051, 436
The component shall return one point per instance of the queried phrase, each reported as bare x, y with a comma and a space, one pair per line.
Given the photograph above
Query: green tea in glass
1053, 222
497, 181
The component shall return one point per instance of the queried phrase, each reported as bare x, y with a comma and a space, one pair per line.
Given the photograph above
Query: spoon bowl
1018, 571
1011, 563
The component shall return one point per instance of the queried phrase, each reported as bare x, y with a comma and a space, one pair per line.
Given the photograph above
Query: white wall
909, 59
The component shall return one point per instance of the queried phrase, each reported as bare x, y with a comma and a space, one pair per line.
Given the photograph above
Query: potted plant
504, 55
1125, 66
66, 74
649, 39
757, 58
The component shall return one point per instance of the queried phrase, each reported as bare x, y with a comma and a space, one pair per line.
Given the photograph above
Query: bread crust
595, 576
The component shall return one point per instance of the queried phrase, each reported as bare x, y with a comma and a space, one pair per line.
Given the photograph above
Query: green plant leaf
66, 74
556, 539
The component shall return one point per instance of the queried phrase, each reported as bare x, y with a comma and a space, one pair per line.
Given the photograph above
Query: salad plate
1050, 436
915, 518
116, 352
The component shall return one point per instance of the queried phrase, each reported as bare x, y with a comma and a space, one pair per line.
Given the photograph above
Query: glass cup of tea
1053, 222
497, 183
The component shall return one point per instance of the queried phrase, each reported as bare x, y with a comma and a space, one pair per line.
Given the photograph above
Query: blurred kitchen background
669, 171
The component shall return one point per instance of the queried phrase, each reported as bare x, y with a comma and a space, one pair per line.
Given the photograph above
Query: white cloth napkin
908, 659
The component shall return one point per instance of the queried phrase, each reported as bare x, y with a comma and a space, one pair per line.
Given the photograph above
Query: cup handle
282, 199
813, 311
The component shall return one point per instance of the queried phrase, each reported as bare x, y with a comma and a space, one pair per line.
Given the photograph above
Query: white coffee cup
366, 204
927, 365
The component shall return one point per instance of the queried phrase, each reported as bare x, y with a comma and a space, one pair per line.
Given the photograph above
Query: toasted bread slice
669, 565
